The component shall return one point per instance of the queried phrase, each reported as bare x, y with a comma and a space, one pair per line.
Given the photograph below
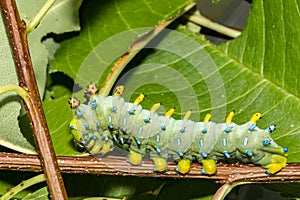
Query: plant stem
136, 47
23, 185
197, 18
17, 89
39, 16
226, 188
16, 32
117, 166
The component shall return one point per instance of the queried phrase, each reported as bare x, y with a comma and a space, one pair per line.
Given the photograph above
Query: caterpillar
105, 121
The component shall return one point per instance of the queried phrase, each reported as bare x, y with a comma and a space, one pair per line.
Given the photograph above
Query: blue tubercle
266, 142
204, 130
203, 154
147, 120
138, 141
98, 124
249, 153
252, 127
131, 112
111, 126
113, 109
226, 154
180, 153
228, 129
157, 149
271, 128
105, 138
182, 130
79, 113
163, 128
94, 105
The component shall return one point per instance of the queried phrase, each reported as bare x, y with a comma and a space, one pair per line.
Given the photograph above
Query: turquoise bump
180, 153
94, 105
228, 129
252, 127
266, 142
182, 130
226, 154
138, 141
147, 120
157, 149
271, 128
249, 153
203, 154
131, 112
113, 109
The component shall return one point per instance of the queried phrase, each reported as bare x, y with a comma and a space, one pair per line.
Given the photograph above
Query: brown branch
114, 165
16, 31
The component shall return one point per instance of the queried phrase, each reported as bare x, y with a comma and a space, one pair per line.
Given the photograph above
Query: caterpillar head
275, 157
271, 156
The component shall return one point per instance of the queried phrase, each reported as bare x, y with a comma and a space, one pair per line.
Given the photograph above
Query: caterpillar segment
106, 121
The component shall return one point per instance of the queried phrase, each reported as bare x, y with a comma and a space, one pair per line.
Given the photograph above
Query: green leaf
108, 29
58, 125
41, 194
65, 17
10, 135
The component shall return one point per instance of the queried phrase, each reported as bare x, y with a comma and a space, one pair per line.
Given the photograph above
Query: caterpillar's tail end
277, 163
160, 164
183, 166
209, 166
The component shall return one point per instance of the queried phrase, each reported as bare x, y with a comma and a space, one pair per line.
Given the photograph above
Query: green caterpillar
104, 122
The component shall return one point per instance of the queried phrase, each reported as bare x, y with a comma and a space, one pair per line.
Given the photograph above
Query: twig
197, 18
16, 31
116, 165
226, 188
38, 17
23, 185
136, 47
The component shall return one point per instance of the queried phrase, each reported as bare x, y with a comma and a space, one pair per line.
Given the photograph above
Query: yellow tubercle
229, 117
139, 99
119, 91
155, 107
135, 158
170, 112
255, 117
209, 166
160, 164
187, 115
184, 166
207, 118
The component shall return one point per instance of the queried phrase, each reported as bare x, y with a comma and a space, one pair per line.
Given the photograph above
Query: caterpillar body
106, 121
